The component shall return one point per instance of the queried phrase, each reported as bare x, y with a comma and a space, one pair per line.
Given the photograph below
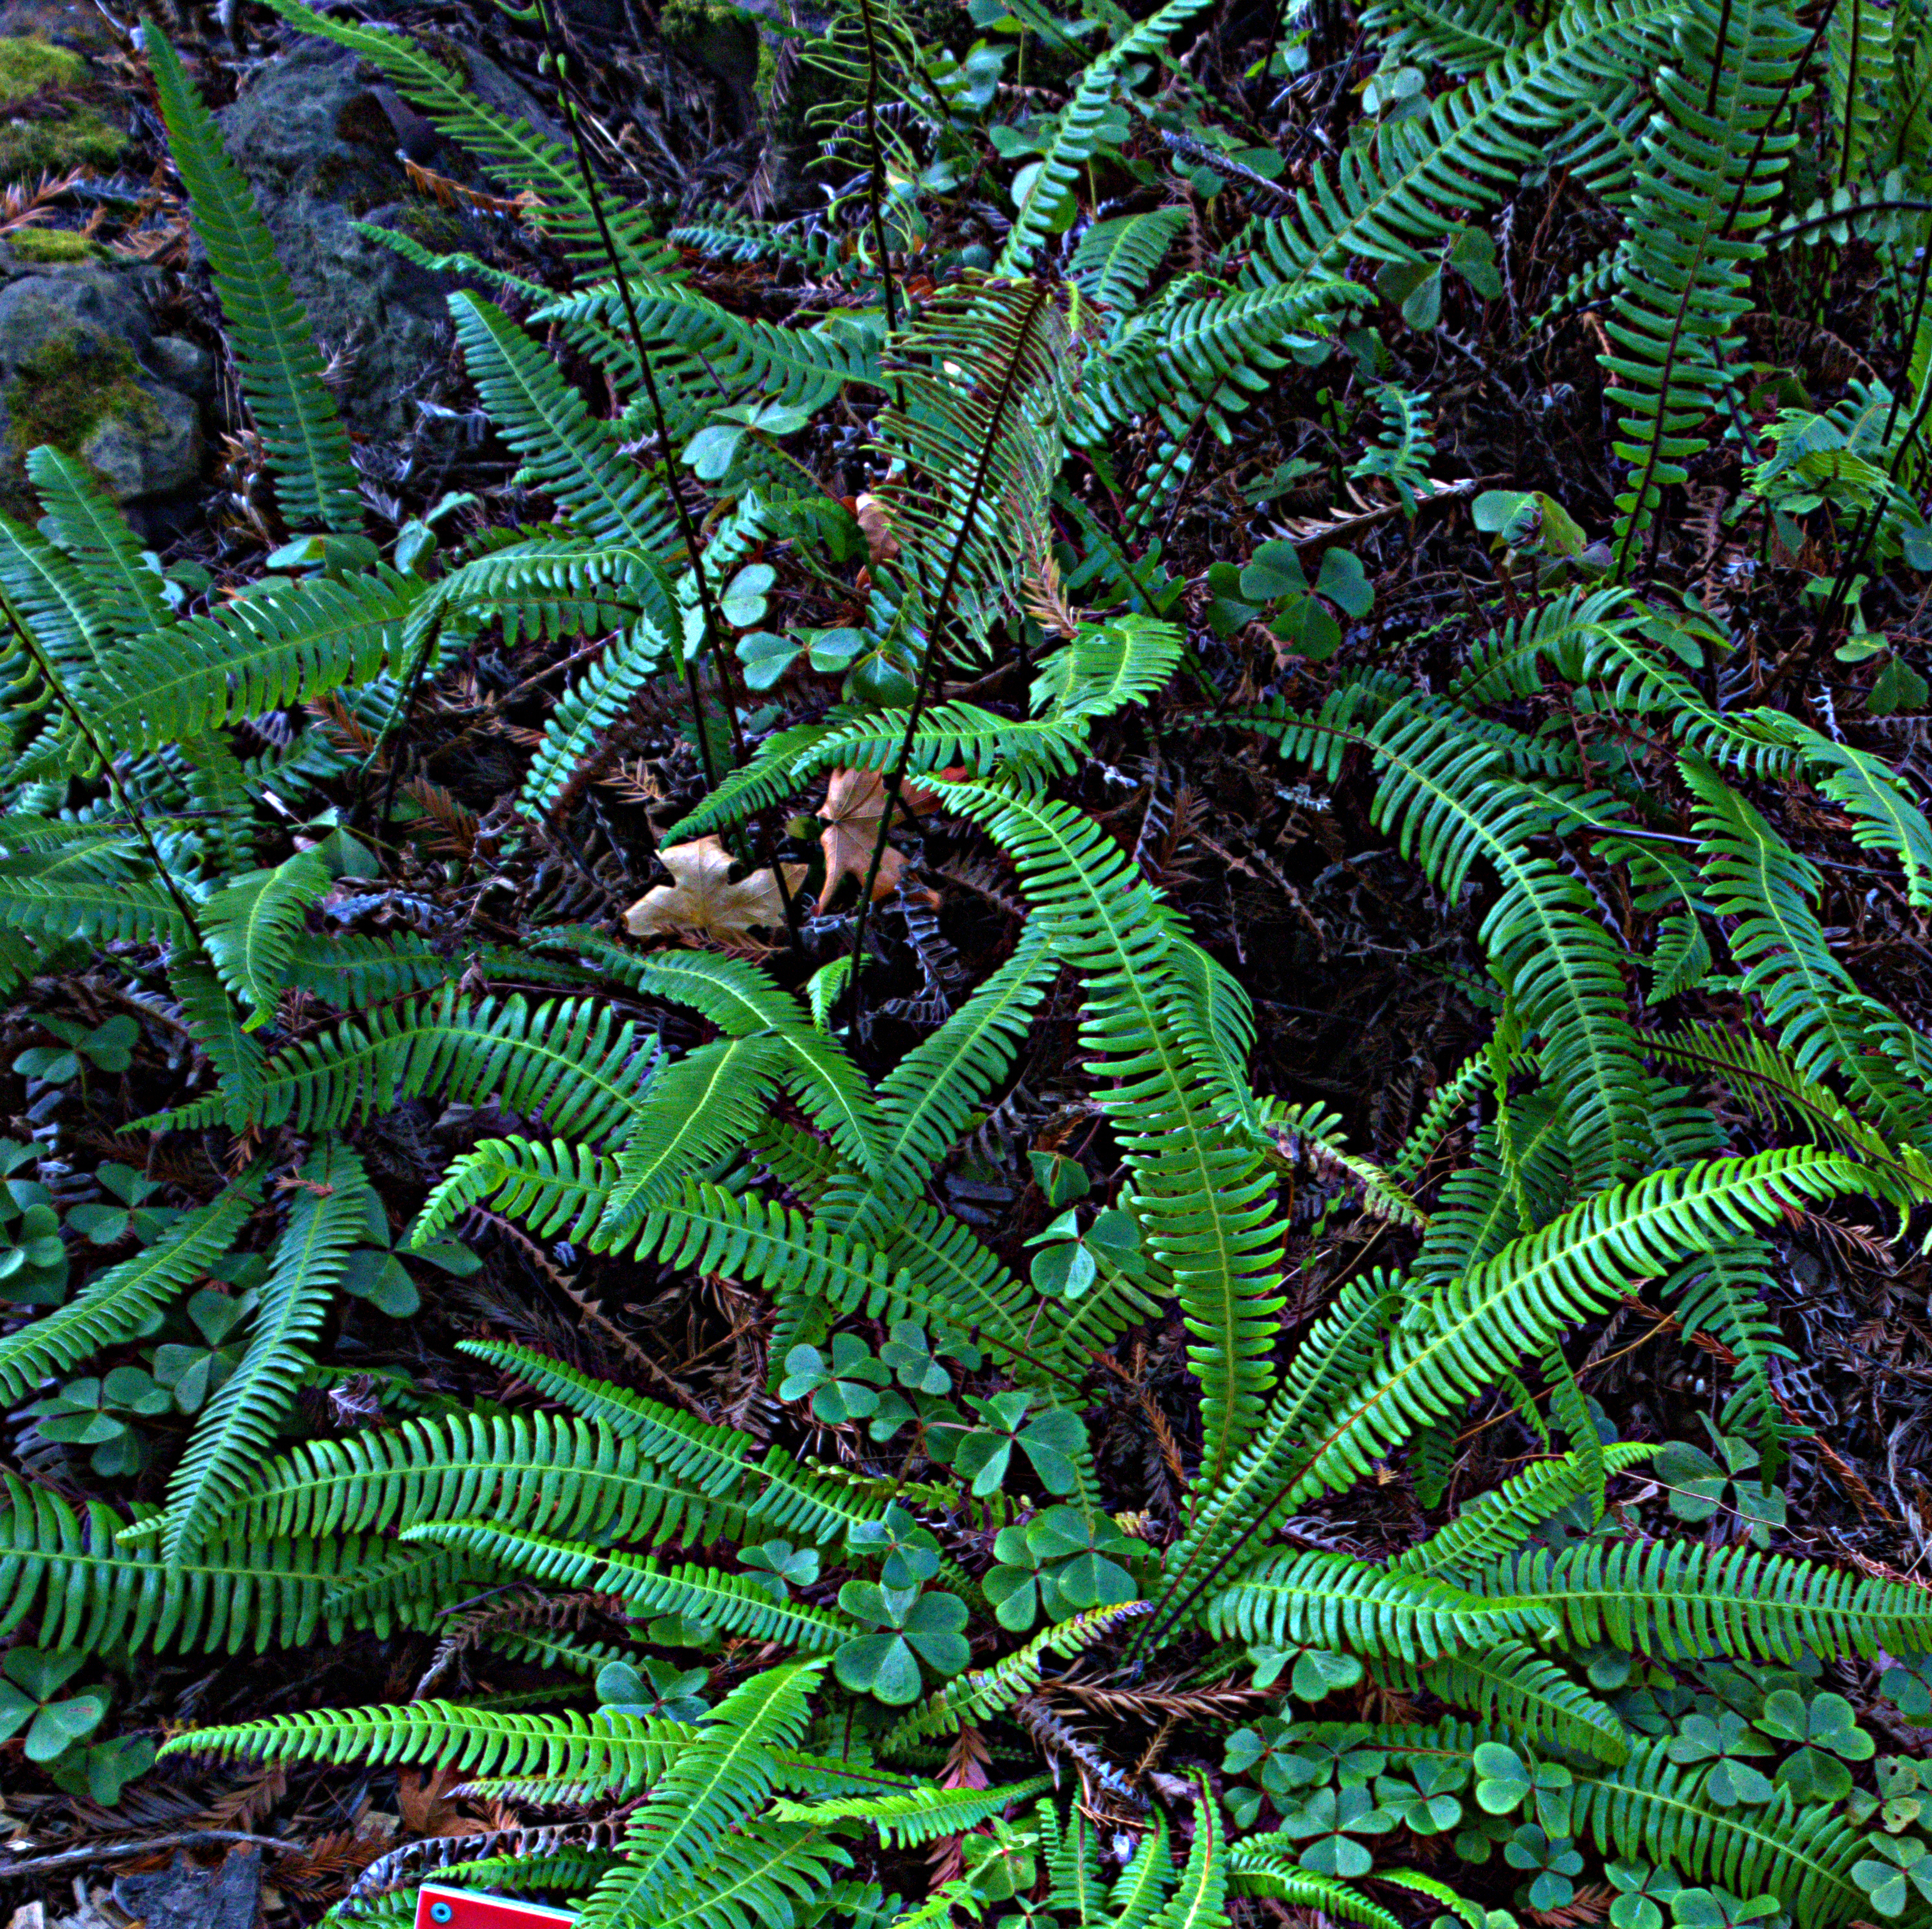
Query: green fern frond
261, 654
1312, 1598
281, 367
608, 1749
240, 1418
713, 1786
82, 521
1205, 1201
1683, 1600
1517, 1303
568, 1478
249, 927
768, 1874
911, 1820
1265, 1865
1651, 1807
117, 1302
980, 1693
571, 1063
1508, 1684
742, 1000
569, 453
1711, 165
95, 1593
706, 1105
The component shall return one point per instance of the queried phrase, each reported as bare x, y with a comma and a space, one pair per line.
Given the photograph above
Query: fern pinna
887, 1638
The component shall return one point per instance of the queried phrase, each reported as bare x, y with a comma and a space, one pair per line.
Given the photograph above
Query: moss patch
28, 67
81, 137
51, 245
76, 383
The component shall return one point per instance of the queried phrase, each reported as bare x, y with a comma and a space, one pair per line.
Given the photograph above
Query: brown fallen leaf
874, 517
422, 1794
854, 807
702, 897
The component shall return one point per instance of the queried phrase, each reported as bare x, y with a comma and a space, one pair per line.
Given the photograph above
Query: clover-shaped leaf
911, 1551
1418, 1805
1718, 1908
1554, 1860
1504, 1781
662, 1688
914, 1627
844, 1387
783, 1563
30, 1680
1050, 1440
910, 1355
1729, 1742
1901, 1865
1333, 1818
1643, 1891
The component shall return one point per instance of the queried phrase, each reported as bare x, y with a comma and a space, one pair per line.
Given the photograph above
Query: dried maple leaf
702, 897
853, 810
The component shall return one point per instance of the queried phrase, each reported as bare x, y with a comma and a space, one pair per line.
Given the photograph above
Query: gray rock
186, 1898
39, 311
318, 145
80, 367
180, 364
152, 448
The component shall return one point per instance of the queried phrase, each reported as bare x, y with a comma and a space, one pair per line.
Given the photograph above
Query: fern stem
940, 605
687, 530
139, 823
877, 171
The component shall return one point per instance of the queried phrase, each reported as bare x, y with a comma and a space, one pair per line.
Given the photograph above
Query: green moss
439, 230
76, 383
28, 67
82, 137
51, 245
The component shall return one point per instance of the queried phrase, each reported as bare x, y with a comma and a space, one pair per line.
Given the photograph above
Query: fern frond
608, 1749
249, 927
326, 1220
980, 1693
1519, 1303
1309, 1597
117, 1302
1683, 1600
706, 1105
714, 1785
1077, 132
1264, 1865
738, 1603
909, 1821
570, 1478
1508, 1683
83, 521
280, 366
1205, 1201
95, 1593
571, 1062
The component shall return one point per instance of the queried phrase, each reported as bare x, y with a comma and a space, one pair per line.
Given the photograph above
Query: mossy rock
80, 392
81, 136
42, 245
31, 67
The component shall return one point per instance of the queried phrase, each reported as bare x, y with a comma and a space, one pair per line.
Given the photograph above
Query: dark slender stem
44, 664
875, 194
940, 609
687, 528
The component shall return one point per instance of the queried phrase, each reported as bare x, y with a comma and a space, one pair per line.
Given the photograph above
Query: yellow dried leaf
702, 898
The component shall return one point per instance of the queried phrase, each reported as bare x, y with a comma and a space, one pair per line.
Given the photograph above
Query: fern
280, 366
324, 1222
